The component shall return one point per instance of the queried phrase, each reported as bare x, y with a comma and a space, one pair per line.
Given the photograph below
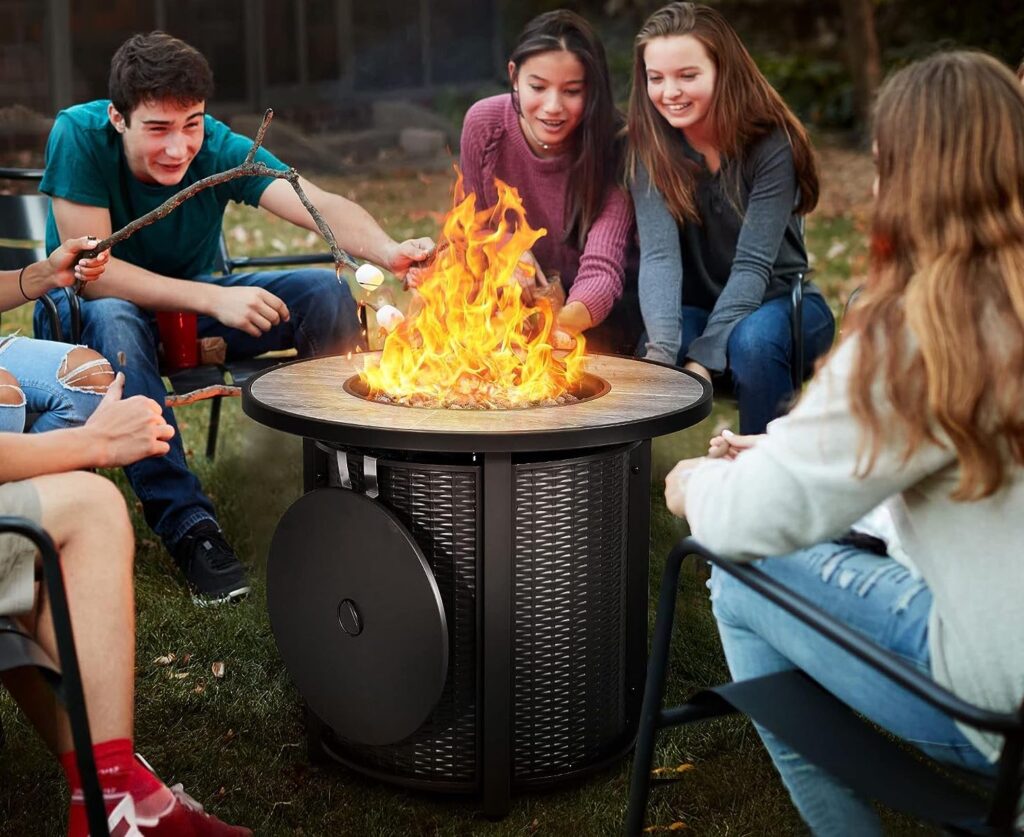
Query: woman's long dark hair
597, 166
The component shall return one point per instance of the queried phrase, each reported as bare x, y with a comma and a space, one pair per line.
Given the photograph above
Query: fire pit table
461, 595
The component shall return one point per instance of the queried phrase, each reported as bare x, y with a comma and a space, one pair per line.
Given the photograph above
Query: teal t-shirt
85, 163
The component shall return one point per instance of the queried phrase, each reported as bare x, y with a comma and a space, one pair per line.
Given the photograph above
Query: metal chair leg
211, 433
71, 679
654, 692
796, 322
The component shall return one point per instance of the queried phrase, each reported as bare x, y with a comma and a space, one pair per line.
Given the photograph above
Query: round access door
357, 616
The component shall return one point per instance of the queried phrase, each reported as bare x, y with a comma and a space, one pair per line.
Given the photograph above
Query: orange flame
473, 342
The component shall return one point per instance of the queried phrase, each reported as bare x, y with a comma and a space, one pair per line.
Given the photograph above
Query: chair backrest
22, 230
22, 221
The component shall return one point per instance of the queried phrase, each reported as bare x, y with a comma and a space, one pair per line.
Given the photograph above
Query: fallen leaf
662, 772
662, 829
217, 669
165, 660
178, 675
199, 689
185, 658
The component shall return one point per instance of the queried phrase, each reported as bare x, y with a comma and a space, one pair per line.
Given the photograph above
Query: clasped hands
726, 445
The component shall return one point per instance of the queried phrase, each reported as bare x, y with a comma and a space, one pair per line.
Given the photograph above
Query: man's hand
675, 485
407, 254
125, 431
697, 368
253, 310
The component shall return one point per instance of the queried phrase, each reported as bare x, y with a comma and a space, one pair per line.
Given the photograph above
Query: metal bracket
344, 477
370, 476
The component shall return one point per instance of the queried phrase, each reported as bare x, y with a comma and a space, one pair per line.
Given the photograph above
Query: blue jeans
323, 320
883, 601
759, 351
49, 388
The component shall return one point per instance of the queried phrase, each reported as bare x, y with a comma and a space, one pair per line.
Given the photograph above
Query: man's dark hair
155, 68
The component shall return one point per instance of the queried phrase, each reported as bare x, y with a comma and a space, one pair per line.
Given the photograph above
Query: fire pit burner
529, 527
592, 386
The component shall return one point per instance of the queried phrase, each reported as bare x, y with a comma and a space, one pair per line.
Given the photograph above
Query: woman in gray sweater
922, 406
721, 173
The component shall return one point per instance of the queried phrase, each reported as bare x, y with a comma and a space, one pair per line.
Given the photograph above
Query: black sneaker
211, 568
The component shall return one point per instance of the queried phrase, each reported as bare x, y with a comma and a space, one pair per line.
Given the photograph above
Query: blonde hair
744, 108
942, 318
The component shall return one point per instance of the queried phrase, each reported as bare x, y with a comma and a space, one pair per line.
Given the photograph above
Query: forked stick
247, 168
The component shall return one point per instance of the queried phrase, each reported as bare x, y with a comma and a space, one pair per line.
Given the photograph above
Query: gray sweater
797, 487
748, 246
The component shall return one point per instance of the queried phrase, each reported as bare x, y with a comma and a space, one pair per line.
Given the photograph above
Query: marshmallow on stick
389, 317
369, 277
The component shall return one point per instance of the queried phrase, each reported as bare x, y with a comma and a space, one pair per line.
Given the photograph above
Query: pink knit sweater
493, 146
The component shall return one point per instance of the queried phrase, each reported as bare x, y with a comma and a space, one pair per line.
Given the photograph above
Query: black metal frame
496, 780
69, 686
1007, 791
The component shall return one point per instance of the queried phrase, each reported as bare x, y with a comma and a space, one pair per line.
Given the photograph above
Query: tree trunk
863, 56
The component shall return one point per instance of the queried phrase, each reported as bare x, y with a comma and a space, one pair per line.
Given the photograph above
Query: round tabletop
645, 399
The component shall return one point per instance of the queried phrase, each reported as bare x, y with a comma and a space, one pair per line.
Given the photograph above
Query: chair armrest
8, 173
859, 646
277, 261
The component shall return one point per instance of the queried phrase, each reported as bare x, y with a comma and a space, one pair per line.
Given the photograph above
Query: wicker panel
438, 504
569, 613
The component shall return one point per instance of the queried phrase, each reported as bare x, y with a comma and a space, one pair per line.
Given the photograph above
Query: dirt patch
846, 176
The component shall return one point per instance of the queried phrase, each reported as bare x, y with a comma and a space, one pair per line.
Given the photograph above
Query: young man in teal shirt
109, 162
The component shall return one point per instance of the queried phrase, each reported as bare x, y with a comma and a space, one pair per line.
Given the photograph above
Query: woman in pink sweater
555, 140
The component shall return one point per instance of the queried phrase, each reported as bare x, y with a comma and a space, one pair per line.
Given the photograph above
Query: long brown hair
940, 325
597, 164
744, 108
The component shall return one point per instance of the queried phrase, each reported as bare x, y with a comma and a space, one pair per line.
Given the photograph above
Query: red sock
119, 774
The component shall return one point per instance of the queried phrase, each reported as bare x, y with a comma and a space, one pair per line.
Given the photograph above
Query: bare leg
87, 518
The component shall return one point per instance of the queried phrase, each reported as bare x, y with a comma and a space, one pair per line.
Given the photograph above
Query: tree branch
248, 168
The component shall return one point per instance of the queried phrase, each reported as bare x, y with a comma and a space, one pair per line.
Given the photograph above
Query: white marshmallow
389, 317
369, 277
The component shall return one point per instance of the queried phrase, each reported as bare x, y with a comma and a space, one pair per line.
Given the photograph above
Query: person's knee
110, 319
10, 390
81, 505
85, 369
752, 350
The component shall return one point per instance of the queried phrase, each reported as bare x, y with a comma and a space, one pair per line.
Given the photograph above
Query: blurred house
319, 62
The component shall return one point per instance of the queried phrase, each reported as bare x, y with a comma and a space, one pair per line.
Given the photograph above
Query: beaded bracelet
21, 287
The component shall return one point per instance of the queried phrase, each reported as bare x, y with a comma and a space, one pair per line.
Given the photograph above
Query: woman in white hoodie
921, 404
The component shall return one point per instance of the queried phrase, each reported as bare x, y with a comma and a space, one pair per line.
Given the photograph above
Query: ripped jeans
884, 602
45, 386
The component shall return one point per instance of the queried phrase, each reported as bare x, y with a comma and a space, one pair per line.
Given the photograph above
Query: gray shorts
18, 554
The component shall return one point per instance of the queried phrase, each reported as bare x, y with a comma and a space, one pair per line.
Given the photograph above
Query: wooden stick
247, 168
222, 390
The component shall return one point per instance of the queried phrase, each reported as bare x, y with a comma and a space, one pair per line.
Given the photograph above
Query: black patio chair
826, 731
23, 226
19, 650
23, 220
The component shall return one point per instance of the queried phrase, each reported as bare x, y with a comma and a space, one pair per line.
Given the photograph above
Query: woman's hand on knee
125, 431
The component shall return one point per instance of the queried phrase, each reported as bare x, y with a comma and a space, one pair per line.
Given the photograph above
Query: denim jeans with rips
61, 397
322, 321
885, 602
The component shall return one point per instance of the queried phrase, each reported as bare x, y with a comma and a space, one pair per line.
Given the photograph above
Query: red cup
179, 335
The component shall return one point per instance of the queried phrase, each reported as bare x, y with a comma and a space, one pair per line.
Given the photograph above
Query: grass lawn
237, 742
